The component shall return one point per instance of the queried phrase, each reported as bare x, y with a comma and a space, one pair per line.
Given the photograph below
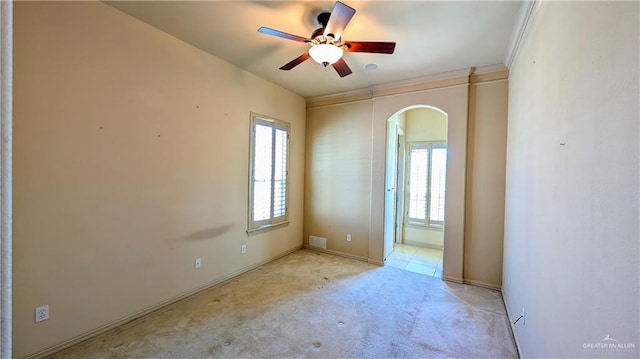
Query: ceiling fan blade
373, 47
284, 35
340, 17
342, 68
295, 62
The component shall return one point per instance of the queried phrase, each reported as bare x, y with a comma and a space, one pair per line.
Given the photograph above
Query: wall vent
319, 242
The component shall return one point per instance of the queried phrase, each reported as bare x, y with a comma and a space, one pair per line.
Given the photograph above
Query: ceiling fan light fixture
325, 54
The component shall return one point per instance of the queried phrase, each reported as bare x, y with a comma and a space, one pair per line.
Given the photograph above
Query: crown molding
467, 76
525, 15
483, 70
395, 84
423, 79
340, 98
443, 79
421, 86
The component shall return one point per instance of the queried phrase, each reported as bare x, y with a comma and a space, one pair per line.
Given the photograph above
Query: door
390, 186
400, 167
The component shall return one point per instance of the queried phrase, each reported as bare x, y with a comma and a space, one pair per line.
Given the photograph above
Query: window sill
266, 228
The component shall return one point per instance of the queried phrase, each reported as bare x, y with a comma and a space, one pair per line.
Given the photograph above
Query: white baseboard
511, 320
336, 253
375, 261
426, 245
452, 279
478, 283
137, 315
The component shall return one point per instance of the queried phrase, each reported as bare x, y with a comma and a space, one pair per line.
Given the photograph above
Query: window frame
273, 221
426, 222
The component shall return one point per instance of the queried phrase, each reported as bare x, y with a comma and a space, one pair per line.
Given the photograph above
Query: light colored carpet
314, 305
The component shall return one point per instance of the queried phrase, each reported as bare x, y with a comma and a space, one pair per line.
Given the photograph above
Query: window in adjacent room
268, 173
427, 179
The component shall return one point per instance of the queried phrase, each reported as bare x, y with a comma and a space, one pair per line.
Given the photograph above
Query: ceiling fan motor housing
319, 32
323, 19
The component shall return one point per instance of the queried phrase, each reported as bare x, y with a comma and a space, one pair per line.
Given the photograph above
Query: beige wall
338, 170
366, 151
420, 236
486, 156
130, 161
6, 145
425, 125
572, 196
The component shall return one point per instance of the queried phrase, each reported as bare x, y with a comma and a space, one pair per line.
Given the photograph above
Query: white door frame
400, 186
390, 186
6, 136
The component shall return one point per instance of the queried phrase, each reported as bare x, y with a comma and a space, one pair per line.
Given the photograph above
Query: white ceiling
431, 37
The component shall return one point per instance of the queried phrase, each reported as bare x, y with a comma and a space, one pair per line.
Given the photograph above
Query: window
427, 180
268, 173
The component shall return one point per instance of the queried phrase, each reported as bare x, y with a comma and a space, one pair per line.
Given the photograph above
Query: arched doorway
454, 101
415, 182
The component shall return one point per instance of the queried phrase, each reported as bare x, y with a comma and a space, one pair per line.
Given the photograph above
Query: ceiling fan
326, 42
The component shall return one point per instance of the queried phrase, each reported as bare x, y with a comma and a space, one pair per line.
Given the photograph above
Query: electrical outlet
243, 249
348, 238
509, 280
42, 313
197, 263
524, 317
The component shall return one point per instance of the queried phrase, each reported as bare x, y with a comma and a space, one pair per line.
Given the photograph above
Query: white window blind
280, 174
426, 183
418, 183
262, 172
268, 172
438, 176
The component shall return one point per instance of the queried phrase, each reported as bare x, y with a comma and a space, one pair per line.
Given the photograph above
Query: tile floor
416, 259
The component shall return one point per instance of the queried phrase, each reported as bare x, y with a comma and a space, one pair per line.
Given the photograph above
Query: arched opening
415, 183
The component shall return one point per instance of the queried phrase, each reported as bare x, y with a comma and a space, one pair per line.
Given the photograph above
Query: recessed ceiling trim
371, 67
